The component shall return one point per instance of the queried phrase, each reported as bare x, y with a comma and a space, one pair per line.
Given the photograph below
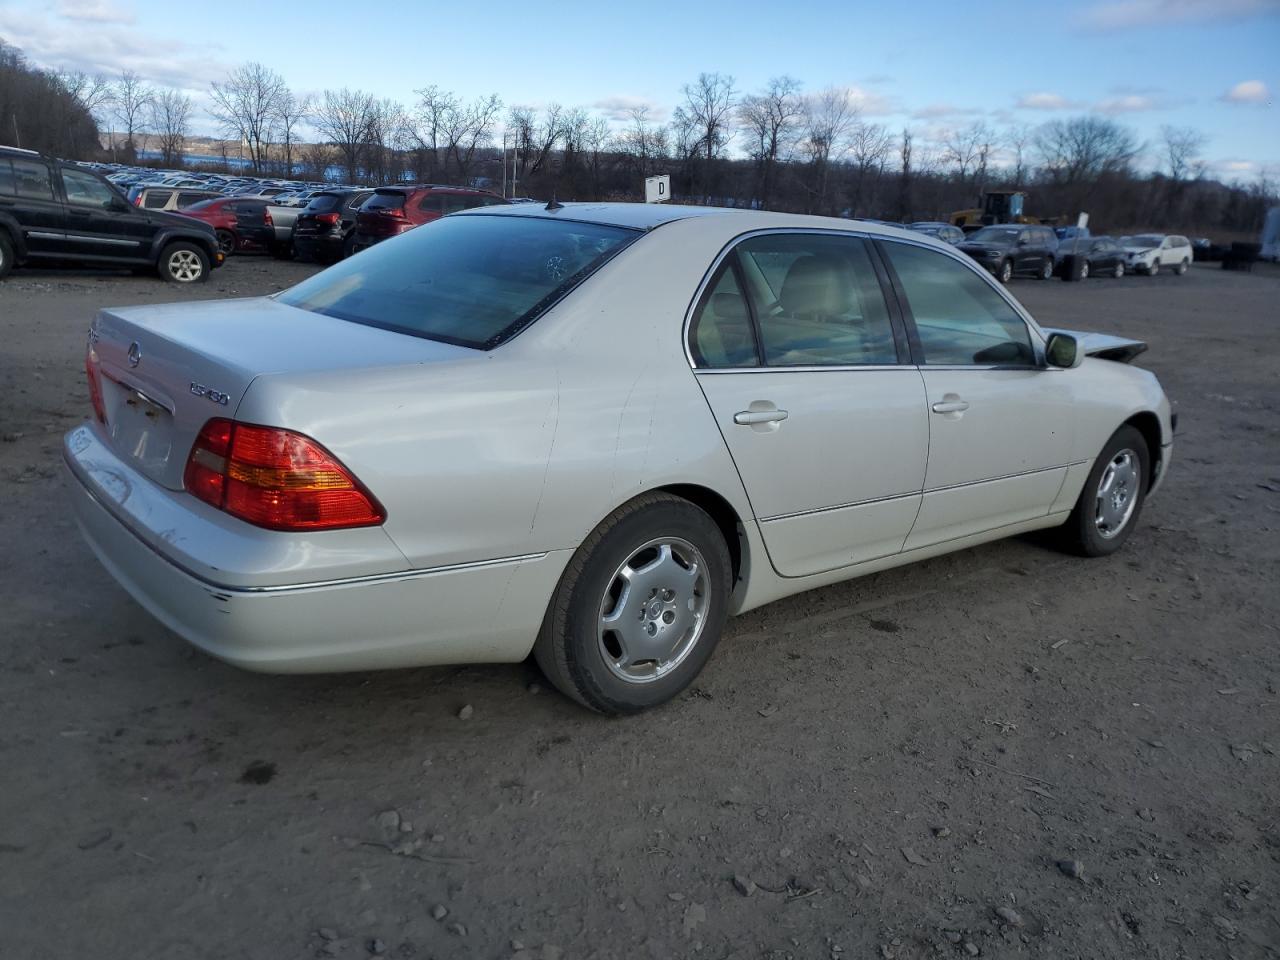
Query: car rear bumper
463, 613
319, 247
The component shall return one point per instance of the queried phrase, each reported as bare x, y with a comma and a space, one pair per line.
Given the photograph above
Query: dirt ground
892, 767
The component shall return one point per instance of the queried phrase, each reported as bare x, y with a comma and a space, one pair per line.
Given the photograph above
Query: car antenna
553, 203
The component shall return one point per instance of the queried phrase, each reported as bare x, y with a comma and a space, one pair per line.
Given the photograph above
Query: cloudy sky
927, 65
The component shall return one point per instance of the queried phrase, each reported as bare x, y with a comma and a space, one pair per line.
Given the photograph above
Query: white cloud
109, 48
1045, 101
1237, 166
940, 111
618, 108
1128, 14
870, 103
93, 11
1250, 92
1128, 103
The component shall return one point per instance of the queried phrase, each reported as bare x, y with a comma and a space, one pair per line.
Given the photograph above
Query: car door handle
748, 417
950, 406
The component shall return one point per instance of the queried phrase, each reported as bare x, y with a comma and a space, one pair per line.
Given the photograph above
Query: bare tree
91, 91
772, 119
869, 148
966, 147
905, 202
829, 117
535, 137
1083, 149
1182, 148
246, 104
467, 127
171, 120
290, 111
430, 115
636, 141
131, 99
1019, 139
345, 118
595, 140
706, 112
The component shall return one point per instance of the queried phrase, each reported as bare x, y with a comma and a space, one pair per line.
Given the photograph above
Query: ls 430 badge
217, 396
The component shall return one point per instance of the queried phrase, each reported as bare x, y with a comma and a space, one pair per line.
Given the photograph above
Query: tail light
276, 479
95, 388
330, 218
397, 212
137, 201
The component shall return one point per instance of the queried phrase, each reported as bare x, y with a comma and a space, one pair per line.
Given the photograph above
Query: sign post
657, 189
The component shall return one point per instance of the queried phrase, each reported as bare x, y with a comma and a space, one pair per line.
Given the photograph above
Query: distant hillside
39, 113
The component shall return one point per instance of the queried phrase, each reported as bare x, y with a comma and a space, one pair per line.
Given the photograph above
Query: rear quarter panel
525, 448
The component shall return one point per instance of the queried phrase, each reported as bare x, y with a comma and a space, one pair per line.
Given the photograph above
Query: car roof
648, 216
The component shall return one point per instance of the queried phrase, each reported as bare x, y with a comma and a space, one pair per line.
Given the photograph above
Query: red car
393, 210
239, 223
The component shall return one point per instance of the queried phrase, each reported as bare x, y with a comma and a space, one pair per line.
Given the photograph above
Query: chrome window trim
107, 240
1037, 335
804, 368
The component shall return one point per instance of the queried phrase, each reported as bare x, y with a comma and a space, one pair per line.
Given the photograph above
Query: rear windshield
324, 202
391, 200
471, 280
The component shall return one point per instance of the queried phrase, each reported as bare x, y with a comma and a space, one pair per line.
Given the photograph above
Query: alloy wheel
653, 610
1119, 271
185, 266
1117, 494
1084, 270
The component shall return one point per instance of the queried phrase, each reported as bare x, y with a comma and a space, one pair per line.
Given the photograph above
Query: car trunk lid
164, 371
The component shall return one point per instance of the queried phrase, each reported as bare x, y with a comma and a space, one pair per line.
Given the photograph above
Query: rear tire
639, 608
1046, 269
226, 242
1004, 273
184, 262
1154, 269
1183, 267
1111, 501
1084, 270
282, 251
6, 256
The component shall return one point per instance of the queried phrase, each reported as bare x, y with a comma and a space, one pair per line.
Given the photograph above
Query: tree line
780, 147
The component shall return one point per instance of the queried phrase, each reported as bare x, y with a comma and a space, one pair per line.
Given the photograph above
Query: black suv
52, 210
1009, 248
325, 230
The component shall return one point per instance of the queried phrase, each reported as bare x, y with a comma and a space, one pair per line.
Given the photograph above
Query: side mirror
1063, 351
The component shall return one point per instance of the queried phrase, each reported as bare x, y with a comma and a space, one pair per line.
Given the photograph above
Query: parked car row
1013, 249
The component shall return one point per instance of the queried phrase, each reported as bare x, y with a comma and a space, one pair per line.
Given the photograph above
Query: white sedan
592, 432
1150, 252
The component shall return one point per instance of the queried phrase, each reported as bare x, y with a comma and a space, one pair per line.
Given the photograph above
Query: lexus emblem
135, 354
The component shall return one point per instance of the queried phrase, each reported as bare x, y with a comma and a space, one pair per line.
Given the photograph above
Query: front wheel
184, 262
1183, 267
639, 608
1118, 272
1084, 270
1154, 268
1046, 269
1005, 271
1111, 502
226, 242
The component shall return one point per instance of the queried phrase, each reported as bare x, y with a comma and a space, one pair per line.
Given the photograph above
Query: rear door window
817, 300
32, 180
721, 334
187, 199
86, 190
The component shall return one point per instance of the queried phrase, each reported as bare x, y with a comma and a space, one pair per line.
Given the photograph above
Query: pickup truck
52, 210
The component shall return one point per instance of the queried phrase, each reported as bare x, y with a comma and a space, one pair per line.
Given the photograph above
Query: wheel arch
1148, 424
726, 518
13, 233
208, 244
